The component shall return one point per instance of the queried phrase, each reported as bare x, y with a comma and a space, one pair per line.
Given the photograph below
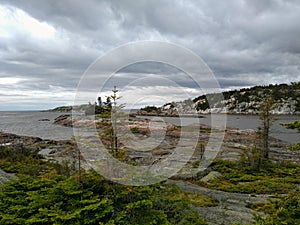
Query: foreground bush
286, 210
48, 193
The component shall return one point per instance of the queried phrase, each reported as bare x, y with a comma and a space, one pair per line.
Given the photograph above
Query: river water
29, 123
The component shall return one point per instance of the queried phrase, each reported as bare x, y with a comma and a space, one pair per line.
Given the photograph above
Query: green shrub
274, 178
46, 193
285, 210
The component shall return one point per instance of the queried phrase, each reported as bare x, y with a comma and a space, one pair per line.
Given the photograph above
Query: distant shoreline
202, 115
168, 115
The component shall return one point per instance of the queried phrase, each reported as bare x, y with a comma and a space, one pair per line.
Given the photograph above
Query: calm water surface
242, 122
29, 123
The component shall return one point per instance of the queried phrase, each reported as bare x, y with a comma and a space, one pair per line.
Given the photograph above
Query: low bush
275, 178
45, 194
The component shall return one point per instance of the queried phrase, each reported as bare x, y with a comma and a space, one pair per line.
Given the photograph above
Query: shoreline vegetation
207, 191
245, 101
38, 161
255, 179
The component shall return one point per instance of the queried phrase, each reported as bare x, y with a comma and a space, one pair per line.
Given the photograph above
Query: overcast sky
46, 46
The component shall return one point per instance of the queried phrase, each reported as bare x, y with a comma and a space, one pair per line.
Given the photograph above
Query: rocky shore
50, 149
246, 101
167, 114
234, 145
232, 207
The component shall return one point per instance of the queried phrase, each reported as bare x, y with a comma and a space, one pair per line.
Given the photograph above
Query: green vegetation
261, 149
284, 210
278, 92
264, 131
89, 108
50, 193
257, 155
197, 200
279, 180
295, 147
255, 173
296, 86
151, 109
62, 109
108, 107
296, 126
293, 125
110, 113
115, 109
93, 109
237, 177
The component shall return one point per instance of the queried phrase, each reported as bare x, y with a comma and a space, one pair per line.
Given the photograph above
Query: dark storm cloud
150, 67
245, 43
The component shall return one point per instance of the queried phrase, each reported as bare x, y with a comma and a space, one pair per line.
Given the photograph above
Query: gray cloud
245, 43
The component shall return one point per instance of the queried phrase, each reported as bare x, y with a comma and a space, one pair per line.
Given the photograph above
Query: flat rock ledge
232, 208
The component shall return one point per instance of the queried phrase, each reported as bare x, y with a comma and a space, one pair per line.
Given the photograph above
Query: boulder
6, 177
64, 120
211, 176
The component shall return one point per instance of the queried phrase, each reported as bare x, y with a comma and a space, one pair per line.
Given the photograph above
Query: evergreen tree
99, 101
264, 131
115, 112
